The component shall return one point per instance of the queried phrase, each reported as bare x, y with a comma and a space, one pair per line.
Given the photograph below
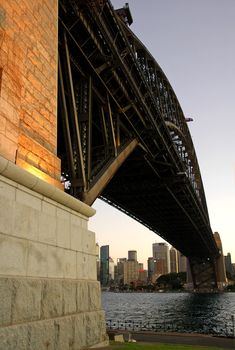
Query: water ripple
204, 311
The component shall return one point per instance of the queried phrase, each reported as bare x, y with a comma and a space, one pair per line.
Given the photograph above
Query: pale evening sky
193, 42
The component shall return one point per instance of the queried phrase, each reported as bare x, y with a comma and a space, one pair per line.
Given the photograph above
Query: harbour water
182, 312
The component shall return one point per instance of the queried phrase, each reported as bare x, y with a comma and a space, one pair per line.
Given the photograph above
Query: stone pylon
205, 275
49, 295
220, 266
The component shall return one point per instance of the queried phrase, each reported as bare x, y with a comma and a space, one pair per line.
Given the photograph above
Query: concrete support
220, 265
189, 283
206, 275
203, 275
49, 295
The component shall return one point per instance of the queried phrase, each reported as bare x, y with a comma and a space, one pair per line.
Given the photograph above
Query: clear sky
193, 42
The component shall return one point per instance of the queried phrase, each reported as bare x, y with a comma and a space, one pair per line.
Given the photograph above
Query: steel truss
122, 135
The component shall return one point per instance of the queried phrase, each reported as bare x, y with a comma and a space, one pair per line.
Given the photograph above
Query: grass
157, 346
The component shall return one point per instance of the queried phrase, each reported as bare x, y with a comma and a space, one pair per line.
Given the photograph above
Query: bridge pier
49, 293
206, 275
201, 275
220, 265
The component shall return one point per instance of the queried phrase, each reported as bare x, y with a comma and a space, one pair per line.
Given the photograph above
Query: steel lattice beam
122, 133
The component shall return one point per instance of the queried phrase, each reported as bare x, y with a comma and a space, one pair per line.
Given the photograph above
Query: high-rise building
104, 265
228, 263
116, 274
143, 274
131, 271
182, 262
111, 269
132, 255
151, 269
127, 270
119, 277
174, 260
162, 256
97, 253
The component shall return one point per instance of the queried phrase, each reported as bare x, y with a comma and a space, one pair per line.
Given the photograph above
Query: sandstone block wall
28, 85
49, 295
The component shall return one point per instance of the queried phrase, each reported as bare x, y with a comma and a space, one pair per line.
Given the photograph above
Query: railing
226, 329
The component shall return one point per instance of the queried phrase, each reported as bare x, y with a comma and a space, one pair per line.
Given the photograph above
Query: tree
171, 281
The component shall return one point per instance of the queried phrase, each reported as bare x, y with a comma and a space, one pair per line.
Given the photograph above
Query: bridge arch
122, 134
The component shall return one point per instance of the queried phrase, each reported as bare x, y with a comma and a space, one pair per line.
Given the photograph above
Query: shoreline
176, 338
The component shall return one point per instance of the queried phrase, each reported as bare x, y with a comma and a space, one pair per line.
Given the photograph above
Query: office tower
132, 255
174, 260
111, 269
143, 275
228, 263
119, 278
104, 265
116, 274
162, 256
182, 262
151, 268
97, 253
127, 271
131, 271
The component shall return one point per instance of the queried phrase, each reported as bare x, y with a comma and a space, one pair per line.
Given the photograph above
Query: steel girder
203, 273
122, 134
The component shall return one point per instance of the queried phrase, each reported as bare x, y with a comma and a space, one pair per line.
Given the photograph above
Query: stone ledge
24, 178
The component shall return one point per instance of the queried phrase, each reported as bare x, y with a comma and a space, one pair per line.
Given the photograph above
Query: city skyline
126, 256
187, 39
164, 261
129, 269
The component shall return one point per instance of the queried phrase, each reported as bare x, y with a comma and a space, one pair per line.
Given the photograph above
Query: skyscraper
128, 269
111, 269
151, 269
119, 278
132, 255
131, 271
104, 265
174, 260
162, 256
182, 261
228, 263
97, 253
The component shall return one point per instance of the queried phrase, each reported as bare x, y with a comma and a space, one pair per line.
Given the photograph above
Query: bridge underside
122, 135
158, 204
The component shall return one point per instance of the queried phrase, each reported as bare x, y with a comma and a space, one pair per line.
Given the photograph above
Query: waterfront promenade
177, 338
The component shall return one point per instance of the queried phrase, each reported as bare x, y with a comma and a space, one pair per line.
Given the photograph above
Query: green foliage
230, 288
230, 276
172, 281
